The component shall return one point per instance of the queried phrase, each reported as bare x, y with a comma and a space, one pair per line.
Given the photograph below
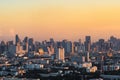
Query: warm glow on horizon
60, 19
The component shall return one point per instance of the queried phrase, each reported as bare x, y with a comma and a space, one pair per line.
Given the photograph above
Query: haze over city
59, 39
60, 19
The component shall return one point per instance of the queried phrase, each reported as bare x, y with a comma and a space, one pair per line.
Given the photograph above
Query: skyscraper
25, 40
30, 41
67, 45
25, 44
88, 57
61, 53
30, 44
87, 43
11, 50
2, 47
73, 48
51, 40
17, 40
50, 50
101, 44
19, 48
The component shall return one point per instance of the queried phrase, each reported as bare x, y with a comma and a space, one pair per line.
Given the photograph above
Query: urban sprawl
60, 60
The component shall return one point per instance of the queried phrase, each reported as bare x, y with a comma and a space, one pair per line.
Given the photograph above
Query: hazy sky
69, 19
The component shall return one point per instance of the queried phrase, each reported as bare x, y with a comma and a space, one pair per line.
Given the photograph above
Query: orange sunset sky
60, 19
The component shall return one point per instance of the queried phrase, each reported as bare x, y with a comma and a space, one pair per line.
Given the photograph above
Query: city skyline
60, 39
87, 38
64, 19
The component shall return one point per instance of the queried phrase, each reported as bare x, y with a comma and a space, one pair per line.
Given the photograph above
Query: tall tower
50, 50
25, 44
17, 40
18, 48
101, 44
87, 43
88, 57
61, 53
73, 48
30, 45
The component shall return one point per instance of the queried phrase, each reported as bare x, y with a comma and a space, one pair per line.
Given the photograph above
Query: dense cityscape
59, 39
60, 60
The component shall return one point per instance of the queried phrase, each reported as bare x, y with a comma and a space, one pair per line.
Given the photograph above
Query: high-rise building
41, 51
80, 48
67, 45
25, 44
101, 44
37, 46
9, 43
59, 44
18, 44
88, 57
30, 41
61, 53
11, 50
19, 48
73, 48
30, 44
51, 40
50, 50
26, 47
17, 40
2, 47
25, 40
87, 43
